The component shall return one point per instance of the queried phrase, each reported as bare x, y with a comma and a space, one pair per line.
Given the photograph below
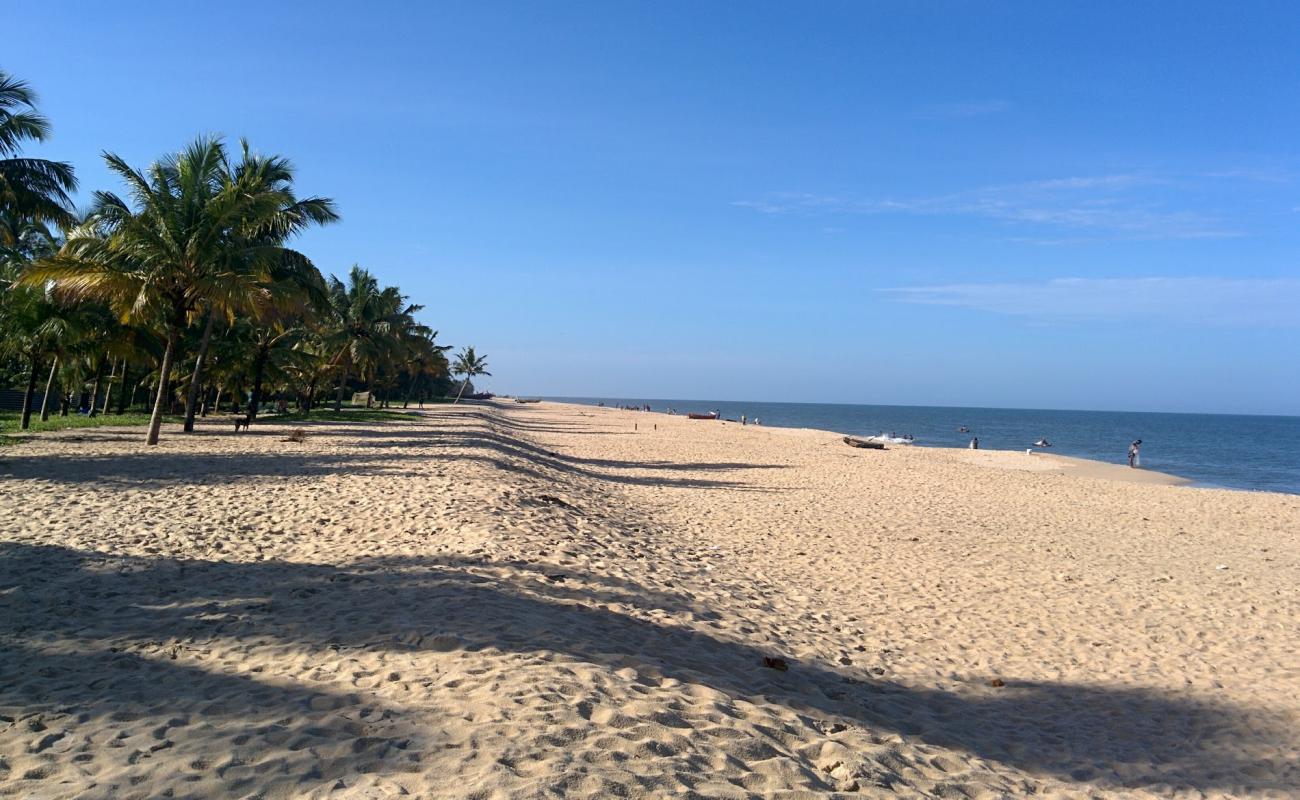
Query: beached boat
866, 444
890, 439
710, 415
524, 400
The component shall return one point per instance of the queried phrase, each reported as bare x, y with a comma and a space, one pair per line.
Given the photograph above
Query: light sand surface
558, 601
1040, 461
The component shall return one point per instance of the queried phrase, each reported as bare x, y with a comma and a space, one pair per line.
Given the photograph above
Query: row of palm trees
188, 284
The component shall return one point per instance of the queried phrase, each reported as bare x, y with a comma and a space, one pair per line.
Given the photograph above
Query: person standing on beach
1134, 457
975, 443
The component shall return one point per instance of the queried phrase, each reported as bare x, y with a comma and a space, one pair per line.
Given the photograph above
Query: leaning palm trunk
164, 384
108, 390
94, 392
49, 387
31, 391
196, 380
462, 390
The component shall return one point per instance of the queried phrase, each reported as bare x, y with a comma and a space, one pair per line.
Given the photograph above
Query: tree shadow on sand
160, 469
63, 624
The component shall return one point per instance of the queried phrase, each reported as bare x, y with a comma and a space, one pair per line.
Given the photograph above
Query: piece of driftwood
853, 441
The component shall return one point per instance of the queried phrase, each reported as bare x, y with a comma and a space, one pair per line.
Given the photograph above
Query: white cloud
1109, 206
1253, 302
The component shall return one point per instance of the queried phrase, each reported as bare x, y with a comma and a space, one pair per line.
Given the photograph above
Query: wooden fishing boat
527, 400
853, 441
709, 415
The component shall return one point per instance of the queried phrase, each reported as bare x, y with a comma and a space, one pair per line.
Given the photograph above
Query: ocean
1259, 453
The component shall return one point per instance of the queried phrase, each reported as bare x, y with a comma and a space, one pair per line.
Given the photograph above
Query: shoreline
1073, 466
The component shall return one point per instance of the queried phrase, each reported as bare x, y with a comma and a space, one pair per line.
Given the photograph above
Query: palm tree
255, 248
187, 243
25, 312
367, 326
402, 335
30, 188
424, 357
468, 364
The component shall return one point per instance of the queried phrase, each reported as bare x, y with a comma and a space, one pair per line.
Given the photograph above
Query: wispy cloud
1256, 175
1120, 205
962, 110
1251, 302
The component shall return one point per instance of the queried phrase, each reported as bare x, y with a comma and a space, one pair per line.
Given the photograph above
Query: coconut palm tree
402, 336
184, 244
469, 364
367, 326
256, 248
30, 188
26, 313
425, 357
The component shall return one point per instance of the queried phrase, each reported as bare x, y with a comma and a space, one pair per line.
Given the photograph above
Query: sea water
1223, 450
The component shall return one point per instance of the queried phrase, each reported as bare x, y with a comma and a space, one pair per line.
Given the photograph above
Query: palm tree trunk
31, 391
196, 380
108, 390
164, 381
343, 381
311, 397
65, 400
259, 366
94, 392
462, 390
216, 404
49, 387
122, 396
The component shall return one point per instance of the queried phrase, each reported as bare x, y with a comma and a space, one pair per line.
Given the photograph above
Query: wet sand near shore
500, 601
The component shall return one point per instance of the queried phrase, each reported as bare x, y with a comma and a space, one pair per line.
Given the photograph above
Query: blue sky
1053, 205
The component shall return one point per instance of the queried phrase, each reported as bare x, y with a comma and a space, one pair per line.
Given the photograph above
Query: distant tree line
182, 295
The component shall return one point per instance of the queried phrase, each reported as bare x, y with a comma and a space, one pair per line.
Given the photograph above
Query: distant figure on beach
742, 419
1134, 456
757, 421
975, 443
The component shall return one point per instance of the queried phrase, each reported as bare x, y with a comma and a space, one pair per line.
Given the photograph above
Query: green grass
11, 420
10, 432
346, 415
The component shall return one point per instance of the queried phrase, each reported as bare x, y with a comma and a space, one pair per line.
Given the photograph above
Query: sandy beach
517, 601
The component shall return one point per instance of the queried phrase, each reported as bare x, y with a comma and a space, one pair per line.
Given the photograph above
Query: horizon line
909, 405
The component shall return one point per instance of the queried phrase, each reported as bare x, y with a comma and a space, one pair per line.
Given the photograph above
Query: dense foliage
182, 296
